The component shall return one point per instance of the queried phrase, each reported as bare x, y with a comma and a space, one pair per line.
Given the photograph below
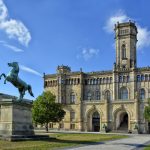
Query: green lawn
147, 147
61, 141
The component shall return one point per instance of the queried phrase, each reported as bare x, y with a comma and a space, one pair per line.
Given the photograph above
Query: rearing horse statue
13, 78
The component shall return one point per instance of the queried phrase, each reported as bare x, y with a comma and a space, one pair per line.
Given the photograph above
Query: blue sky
42, 34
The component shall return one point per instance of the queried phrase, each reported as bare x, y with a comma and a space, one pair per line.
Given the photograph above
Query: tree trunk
149, 127
46, 127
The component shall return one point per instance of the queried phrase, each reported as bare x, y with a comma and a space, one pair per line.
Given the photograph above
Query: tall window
142, 77
107, 95
123, 51
97, 95
146, 77
138, 78
89, 96
72, 98
123, 93
120, 78
142, 94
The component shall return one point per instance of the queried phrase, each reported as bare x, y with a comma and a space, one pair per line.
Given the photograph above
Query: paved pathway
132, 143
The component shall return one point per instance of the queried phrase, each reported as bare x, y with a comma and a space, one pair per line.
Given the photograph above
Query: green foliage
45, 109
147, 111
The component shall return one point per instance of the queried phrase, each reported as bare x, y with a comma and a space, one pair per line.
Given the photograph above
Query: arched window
85, 81
78, 81
123, 51
110, 79
72, 98
107, 95
91, 81
138, 78
100, 80
75, 81
107, 80
97, 95
120, 78
128, 78
94, 81
124, 78
89, 96
146, 77
142, 94
123, 93
104, 80
142, 77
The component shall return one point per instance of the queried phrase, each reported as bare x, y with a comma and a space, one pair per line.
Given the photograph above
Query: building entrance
95, 122
123, 122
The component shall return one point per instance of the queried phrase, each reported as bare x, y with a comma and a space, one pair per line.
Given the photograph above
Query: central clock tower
126, 39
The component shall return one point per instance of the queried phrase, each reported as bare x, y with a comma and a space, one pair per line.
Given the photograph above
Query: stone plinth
15, 117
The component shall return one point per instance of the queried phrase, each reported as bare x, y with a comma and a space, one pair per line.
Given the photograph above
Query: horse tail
30, 90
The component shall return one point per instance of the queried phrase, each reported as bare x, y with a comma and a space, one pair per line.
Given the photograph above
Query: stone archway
122, 121
93, 121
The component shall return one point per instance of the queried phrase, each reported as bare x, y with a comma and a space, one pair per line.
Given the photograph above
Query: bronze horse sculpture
13, 78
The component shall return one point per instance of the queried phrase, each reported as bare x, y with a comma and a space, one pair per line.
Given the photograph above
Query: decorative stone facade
111, 100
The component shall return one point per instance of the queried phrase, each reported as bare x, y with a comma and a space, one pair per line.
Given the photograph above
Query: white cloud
88, 53
27, 69
143, 35
15, 29
15, 49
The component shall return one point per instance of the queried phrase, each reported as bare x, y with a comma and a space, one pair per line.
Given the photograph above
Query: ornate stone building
112, 100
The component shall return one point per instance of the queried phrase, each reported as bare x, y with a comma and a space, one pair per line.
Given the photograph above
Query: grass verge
62, 140
147, 147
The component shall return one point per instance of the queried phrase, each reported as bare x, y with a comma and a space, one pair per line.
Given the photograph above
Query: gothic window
78, 81
123, 51
124, 78
110, 79
88, 81
100, 80
97, 95
104, 80
89, 96
146, 77
107, 95
128, 78
123, 93
72, 98
107, 80
91, 81
138, 78
142, 77
142, 94
94, 81
120, 78
85, 81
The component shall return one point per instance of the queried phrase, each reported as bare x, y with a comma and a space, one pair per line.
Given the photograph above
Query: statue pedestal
15, 117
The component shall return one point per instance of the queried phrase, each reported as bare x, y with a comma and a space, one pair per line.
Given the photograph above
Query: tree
46, 110
147, 114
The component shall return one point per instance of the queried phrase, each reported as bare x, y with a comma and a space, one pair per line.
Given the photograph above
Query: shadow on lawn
74, 141
57, 140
